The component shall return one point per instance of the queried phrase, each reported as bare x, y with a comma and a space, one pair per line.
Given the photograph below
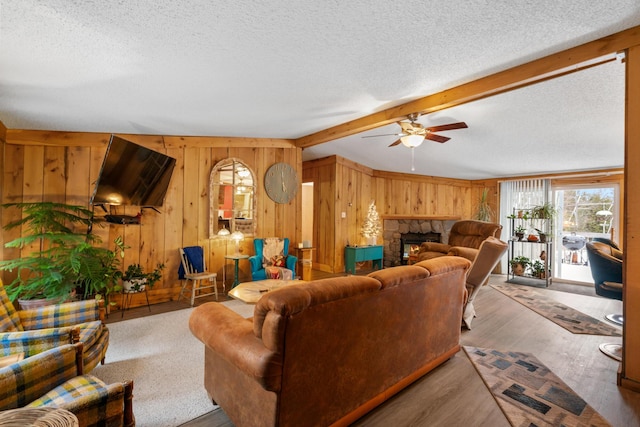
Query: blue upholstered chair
259, 260
606, 266
605, 261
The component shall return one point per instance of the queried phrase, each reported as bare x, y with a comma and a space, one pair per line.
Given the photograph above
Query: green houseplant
543, 211
538, 269
59, 257
519, 265
134, 279
484, 210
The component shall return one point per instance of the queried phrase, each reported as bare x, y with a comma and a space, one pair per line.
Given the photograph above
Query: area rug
529, 394
165, 362
571, 319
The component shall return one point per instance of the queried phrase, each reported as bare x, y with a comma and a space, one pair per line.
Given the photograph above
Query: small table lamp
223, 233
236, 236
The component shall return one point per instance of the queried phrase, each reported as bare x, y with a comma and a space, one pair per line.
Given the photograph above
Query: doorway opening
307, 213
584, 213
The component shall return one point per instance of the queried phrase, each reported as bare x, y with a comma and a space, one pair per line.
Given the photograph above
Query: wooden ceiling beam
570, 60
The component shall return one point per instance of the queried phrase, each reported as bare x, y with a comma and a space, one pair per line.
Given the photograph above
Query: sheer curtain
520, 194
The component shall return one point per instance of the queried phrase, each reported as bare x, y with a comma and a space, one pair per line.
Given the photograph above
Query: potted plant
538, 270
543, 211
520, 231
543, 235
519, 265
485, 211
134, 279
59, 255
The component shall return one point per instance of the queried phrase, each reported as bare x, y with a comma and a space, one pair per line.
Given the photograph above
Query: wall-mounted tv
132, 175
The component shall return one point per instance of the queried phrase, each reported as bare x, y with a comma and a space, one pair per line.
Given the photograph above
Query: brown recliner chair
489, 254
464, 240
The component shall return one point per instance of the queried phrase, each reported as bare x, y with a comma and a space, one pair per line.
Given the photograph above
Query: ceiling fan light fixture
412, 141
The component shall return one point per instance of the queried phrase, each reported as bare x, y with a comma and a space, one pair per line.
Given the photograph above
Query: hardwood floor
454, 395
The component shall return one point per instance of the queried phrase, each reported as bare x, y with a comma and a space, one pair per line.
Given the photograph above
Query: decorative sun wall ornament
371, 227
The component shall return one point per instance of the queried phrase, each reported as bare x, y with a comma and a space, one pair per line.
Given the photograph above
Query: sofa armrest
468, 253
434, 247
92, 401
27, 380
34, 342
231, 337
66, 314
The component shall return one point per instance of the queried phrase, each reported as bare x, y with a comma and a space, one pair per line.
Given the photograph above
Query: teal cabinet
354, 254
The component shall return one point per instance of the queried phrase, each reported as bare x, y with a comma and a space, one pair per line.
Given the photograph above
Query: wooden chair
194, 269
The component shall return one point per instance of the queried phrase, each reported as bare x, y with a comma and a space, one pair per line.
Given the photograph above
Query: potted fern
59, 257
134, 279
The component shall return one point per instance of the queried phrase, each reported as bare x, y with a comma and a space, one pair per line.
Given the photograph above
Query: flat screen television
132, 175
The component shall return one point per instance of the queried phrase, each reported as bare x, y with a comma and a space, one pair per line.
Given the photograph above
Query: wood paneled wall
63, 166
342, 186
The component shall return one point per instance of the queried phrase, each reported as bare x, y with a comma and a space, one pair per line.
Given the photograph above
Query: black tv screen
132, 175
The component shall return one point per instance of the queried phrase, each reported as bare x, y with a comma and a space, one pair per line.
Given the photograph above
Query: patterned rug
528, 393
567, 317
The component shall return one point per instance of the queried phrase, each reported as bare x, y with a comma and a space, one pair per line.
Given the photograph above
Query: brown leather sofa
326, 352
465, 238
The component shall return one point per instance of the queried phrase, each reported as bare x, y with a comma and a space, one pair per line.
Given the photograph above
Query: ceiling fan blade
450, 126
395, 143
384, 134
436, 138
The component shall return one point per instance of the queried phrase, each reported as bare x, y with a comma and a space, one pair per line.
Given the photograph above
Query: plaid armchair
34, 331
54, 378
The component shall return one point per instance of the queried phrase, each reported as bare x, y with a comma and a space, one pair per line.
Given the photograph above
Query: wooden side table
305, 255
235, 259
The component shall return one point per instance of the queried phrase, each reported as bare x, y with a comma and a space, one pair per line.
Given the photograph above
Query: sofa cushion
289, 300
71, 390
35, 375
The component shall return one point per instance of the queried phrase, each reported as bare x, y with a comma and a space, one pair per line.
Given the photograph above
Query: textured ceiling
285, 69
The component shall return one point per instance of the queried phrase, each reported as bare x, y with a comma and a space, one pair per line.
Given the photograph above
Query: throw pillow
271, 247
279, 261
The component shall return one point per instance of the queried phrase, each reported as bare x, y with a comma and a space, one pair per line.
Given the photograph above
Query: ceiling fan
413, 133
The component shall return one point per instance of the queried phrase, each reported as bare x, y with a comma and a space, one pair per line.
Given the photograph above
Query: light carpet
530, 394
165, 362
569, 318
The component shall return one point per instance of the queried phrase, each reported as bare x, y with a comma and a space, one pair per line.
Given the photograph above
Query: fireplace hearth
410, 244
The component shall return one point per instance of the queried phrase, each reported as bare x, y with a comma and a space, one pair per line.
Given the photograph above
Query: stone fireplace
410, 243
397, 232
